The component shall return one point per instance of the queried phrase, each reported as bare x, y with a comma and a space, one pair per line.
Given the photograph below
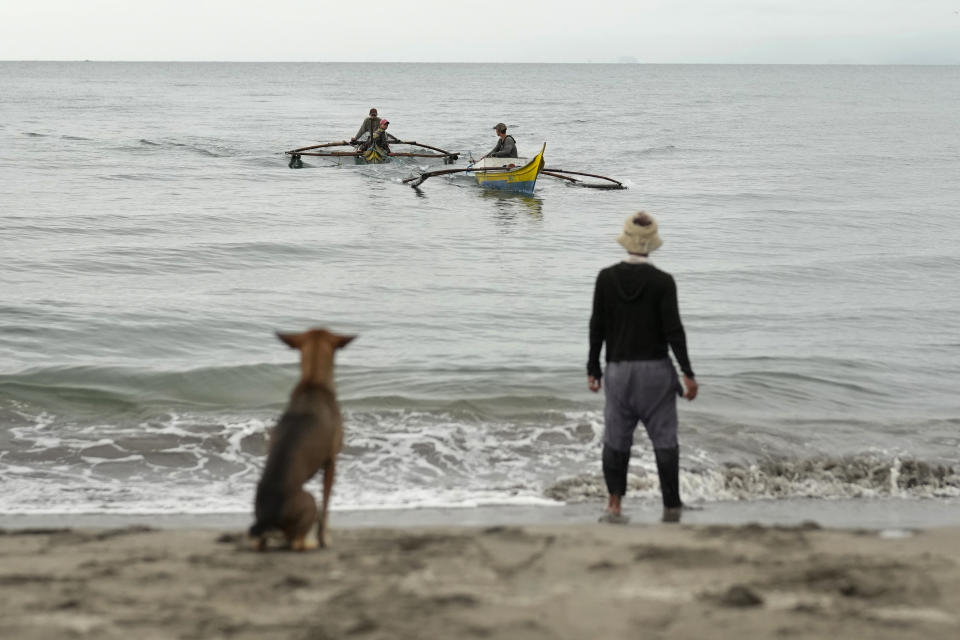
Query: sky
600, 31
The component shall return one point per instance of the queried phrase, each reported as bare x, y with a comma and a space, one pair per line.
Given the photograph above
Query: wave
116, 388
197, 461
123, 440
667, 148
180, 145
826, 477
110, 481
206, 257
206, 148
71, 389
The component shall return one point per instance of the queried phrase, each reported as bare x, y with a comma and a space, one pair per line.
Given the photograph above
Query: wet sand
511, 582
858, 513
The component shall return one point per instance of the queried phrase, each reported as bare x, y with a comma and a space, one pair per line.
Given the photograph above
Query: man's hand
690, 388
593, 384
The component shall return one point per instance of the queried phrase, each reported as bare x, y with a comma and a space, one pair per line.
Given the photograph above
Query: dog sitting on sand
307, 438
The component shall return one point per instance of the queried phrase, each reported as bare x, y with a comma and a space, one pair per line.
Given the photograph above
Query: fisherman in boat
506, 145
368, 128
380, 138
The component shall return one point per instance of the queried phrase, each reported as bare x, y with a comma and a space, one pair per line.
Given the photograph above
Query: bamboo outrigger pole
426, 146
342, 143
296, 163
416, 181
341, 154
556, 174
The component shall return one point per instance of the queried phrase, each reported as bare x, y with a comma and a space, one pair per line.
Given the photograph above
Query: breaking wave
858, 476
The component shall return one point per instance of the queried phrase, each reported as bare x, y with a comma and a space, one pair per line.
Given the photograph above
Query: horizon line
587, 62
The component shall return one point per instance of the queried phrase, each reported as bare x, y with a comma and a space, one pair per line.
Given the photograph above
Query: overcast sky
660, 31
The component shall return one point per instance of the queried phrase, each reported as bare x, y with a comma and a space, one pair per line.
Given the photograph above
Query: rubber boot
668, 468
615, 465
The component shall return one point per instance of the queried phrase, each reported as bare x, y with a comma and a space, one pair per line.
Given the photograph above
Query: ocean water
153, 239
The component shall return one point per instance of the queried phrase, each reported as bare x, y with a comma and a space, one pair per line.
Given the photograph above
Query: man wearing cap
369, 126
635, 313
506, 145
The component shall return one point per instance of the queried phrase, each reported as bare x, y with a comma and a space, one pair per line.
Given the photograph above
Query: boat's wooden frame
523, 178
374, 155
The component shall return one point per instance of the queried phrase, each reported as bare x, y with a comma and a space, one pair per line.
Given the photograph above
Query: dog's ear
293, 340
343, 341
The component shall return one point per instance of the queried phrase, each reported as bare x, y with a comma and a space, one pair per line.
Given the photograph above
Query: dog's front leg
323, 538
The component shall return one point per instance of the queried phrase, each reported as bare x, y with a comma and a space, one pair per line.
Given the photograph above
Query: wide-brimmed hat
640, 234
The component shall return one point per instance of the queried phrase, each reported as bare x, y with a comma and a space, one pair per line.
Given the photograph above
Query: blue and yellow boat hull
507, 178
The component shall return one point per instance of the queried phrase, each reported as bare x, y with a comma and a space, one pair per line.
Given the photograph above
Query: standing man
635, 312
506, 146
370, 125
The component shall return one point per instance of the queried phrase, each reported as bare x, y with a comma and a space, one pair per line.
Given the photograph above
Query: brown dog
307, 438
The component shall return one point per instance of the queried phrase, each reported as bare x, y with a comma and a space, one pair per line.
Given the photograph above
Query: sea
153, 240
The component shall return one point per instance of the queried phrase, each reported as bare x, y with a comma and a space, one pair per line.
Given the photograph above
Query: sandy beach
545, 581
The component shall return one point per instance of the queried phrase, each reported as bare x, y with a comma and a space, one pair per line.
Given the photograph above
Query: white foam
199, 463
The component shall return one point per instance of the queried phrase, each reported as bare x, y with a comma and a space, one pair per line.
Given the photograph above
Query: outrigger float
373, 155
516, 174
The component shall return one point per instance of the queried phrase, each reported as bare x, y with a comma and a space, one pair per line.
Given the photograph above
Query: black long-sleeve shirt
635, 312
506, 148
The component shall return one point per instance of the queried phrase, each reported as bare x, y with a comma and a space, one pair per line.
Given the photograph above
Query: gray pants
640, 391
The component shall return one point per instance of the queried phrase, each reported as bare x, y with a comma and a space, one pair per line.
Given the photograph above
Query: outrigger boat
508, 174
373, 155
